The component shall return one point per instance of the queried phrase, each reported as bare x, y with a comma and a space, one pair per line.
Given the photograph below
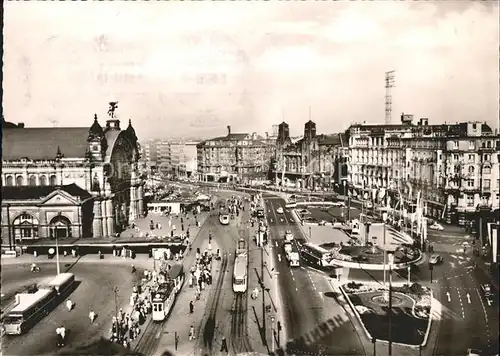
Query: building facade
191, 159
453, 168
82, 180
314, 161
234, 157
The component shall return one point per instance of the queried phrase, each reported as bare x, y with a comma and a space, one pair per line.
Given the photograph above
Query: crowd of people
201, 272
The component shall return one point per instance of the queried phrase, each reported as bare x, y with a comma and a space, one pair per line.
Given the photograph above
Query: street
314, 321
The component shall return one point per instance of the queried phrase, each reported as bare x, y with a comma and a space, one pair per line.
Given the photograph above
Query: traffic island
409, 314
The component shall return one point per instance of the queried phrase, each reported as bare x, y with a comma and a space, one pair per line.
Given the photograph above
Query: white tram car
240, 273
164, 297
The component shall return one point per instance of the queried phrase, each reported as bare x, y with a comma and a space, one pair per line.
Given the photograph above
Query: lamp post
57, 254
272, 335
391, 261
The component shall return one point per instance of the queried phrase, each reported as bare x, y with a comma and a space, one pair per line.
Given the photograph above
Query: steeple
131, 132
95, 132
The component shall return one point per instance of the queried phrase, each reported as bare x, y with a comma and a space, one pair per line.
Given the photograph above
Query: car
436, 226
279, 210
435, 259
288, 235
489, 299
473, 352
486, 288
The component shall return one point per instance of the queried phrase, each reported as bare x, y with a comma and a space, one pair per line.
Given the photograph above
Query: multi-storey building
163, 160
452, 168
234, 157
312, 161
149, 153
69, 181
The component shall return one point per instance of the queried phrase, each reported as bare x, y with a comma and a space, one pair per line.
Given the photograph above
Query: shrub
418, 289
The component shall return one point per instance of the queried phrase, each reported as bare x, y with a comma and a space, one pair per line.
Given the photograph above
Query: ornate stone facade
101, 162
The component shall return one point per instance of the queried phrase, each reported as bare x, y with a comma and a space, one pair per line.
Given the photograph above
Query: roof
333, 139
26, 300
41, 143
230, 137
176, 271
39, 192
240, 265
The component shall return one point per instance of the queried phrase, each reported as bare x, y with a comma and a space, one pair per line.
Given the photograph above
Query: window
470, 183
486, 157
470, 200
32, 180
487, 170
471, 169
43, 180
455, 157
498, 183
488, 144
471, 158
471, 145
19, 180
474, 126
9, 181
487, 184
53, 180
455, 144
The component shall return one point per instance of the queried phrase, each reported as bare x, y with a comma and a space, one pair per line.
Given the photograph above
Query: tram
224, 216
164, 297
240, 277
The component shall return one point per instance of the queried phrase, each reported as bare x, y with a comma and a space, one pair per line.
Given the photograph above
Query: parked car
279, 210
473, 352
435, 259
486, 288
436, 226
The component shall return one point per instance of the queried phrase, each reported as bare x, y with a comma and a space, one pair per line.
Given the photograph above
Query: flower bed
409, 315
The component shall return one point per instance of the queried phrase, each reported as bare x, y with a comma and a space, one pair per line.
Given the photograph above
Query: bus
224, 215
163, 298
32, 307
316, 255
240, 277
62, 284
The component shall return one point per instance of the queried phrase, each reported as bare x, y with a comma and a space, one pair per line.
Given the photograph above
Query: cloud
242, 63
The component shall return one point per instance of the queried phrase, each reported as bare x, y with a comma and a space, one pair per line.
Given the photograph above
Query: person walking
69, 304
223, 346
191, 333
191, 307
91, 316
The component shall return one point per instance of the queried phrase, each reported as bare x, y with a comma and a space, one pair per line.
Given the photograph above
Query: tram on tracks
224, 215
165, 295
240, 272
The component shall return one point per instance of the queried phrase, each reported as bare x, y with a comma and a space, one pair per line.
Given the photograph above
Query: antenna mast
389, 83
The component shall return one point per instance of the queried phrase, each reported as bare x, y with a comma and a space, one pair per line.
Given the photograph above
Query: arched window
53, 180
60, 227
25, 226
471, 169
43, 180
9, 181
19, 180
32, 180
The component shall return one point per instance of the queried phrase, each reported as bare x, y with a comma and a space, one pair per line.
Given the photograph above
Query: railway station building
69, 182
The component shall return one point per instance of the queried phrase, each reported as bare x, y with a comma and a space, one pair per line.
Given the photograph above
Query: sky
192, 68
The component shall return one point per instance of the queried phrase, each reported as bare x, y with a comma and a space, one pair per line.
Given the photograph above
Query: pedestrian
92, 316
191, 307
69, 304
223, 346
191, 333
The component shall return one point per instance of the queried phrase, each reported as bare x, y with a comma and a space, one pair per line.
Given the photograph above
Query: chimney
267, 135
21, 125
228, 130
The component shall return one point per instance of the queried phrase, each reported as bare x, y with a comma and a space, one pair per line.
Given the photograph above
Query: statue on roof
113, 105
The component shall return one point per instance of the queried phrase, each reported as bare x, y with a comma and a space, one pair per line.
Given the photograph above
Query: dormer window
95, 148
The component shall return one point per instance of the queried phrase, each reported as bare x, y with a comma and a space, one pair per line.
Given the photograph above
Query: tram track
210, 321
149, 340
239, 336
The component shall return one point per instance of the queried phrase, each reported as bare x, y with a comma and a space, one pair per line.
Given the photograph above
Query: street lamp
391, 261
57, 254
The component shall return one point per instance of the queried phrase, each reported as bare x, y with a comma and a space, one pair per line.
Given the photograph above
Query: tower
389, 83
